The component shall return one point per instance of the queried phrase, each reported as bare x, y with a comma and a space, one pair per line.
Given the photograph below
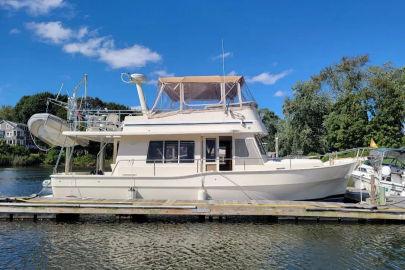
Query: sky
274, 44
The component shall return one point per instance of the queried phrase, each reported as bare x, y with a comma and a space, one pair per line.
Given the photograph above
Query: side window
260, 145
171, 151
210, 150
241, 149
186, 152
155, 152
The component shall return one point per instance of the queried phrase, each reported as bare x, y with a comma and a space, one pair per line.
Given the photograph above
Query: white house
15, 133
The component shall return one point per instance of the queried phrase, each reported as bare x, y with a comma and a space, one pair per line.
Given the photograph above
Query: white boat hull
390, 188
294, 184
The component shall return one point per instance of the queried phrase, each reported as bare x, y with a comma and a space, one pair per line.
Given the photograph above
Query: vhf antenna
223, 59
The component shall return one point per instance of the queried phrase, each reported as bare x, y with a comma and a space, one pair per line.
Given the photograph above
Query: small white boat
387, 165
49, 129
200, 140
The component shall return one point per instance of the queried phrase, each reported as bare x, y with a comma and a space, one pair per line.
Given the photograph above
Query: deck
51, 208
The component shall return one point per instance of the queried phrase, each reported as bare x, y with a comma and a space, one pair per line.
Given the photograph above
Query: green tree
347, 124
7, 113
29, 105
303, 129
271, 122
387, 105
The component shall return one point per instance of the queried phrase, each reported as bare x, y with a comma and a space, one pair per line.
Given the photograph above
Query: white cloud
225, 55
162, 73
14, 31
87, 43
155, 75
83, 31
51, 31
87, 48
232, 73
103, 49
134, 56
280, 93
34, 7
269, 78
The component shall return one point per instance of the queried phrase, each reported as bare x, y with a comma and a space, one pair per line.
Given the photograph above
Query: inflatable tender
49, 128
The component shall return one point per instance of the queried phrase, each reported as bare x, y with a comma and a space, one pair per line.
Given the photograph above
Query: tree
387, 105
303, 129
29, 105
270, 121
347, 124
7, 113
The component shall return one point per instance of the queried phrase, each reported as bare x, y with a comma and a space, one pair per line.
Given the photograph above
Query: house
15, 133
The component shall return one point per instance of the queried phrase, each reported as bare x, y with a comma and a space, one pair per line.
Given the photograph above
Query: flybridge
200, 93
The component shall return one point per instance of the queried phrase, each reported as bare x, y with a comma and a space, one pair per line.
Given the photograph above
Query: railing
101, 120
357, 153
235, 164
186, 163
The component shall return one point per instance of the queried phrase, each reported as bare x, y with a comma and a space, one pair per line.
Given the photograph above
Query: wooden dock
50, 208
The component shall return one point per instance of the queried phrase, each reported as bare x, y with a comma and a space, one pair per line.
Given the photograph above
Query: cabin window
241, 149
155, 152
186, 152
260, 145
171, 151
210, 150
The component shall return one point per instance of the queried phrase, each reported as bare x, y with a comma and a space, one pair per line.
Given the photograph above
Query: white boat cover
49, 128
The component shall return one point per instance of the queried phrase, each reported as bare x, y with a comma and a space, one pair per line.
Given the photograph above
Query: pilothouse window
170, 152
155, 152
186, 152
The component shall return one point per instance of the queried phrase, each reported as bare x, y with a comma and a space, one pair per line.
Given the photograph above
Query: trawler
200, 139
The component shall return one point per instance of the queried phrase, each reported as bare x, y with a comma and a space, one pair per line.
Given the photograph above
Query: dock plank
302, 209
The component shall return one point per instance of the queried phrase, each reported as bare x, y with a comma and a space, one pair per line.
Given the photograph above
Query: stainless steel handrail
197, 161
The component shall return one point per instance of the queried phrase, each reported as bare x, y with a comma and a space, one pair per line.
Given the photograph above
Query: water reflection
184, 244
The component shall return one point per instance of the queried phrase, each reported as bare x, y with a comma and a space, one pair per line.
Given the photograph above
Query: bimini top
202, 79
192, 92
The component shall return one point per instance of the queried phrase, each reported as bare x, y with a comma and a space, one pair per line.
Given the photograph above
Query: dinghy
49, 129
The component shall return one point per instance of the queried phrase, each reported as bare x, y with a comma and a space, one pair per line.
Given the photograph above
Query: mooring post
372, 190
67, 159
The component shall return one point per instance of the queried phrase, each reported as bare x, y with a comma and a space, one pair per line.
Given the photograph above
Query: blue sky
273, 44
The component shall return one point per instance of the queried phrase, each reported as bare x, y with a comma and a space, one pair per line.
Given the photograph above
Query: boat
387, 166
199, 140
49, 129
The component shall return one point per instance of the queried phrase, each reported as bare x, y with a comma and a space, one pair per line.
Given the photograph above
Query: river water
162, 243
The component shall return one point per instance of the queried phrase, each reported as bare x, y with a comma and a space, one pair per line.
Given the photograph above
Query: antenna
223, 59
85, 90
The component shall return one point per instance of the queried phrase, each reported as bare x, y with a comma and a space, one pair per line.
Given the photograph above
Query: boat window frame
168, 143
150, 160
171, 161
214, 158
187, 160
260, 145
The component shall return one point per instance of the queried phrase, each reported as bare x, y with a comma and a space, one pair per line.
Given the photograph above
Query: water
186, 244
